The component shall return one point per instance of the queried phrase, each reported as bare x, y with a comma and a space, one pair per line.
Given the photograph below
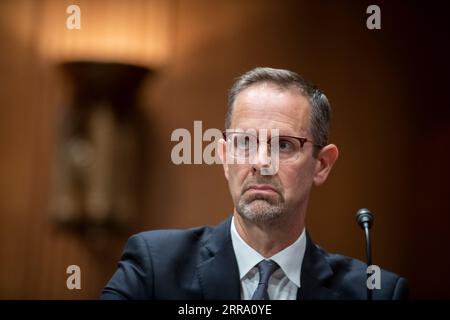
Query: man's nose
262, 158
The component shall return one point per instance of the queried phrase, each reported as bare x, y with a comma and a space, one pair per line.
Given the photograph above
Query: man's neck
269, 238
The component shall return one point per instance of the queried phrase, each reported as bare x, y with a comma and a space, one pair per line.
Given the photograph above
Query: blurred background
86, 117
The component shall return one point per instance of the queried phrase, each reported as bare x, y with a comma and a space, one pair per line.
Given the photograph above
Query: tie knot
266, 268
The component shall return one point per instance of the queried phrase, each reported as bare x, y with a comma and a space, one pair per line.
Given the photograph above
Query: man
263, 251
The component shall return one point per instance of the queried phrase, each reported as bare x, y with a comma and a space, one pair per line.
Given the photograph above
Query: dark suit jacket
200, 264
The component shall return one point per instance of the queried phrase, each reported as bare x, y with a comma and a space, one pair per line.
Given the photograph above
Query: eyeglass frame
302, 140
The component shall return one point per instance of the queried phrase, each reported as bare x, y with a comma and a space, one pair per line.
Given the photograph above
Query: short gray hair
285, 79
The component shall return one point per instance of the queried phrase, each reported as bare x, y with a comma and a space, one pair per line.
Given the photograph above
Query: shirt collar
289, 259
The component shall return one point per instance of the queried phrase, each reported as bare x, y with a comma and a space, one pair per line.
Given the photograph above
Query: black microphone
365, 219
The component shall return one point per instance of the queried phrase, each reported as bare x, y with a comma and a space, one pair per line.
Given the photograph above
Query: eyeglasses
244, 145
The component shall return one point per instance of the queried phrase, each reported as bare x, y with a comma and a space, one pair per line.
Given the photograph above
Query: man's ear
325, 161
223, 156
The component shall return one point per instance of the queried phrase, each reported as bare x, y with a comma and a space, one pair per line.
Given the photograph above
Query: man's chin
260, 210
263, 203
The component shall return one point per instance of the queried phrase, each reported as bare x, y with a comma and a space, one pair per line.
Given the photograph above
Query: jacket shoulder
350, 278
173, 244
153, 262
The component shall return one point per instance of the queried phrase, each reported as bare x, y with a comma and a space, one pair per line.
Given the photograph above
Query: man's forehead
268, 106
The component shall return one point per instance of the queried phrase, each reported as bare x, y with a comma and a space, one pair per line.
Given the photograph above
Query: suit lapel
315, 273
219, 275
218, 272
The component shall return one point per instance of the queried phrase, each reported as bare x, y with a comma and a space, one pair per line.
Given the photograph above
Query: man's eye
243, 142
286, 145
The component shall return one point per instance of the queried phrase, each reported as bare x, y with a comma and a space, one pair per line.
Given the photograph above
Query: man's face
269, 197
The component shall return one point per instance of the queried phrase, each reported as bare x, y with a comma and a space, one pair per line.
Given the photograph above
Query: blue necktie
266, 268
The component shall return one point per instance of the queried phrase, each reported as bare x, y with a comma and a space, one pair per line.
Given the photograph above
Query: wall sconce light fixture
99, 155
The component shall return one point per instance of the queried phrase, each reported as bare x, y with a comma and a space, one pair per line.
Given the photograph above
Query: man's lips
262, 188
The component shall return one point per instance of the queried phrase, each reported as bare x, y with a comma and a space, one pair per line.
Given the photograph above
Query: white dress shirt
284, 282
